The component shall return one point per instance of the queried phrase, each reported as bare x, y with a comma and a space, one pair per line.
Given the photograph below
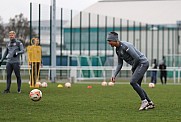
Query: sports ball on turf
44, 84
35, 95
111, 84
151, 85
104, 83
67, 85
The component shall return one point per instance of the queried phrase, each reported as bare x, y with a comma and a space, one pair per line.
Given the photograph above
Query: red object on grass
89, 87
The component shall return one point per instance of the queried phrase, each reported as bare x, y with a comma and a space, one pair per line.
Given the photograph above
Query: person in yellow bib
36, 62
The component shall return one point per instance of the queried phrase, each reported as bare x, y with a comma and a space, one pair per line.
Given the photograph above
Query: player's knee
18, 77
132, 83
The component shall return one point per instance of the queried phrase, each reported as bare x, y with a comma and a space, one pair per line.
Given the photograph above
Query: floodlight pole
53, 42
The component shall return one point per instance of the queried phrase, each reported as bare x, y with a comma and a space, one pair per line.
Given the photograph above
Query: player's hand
15, 54
113, 79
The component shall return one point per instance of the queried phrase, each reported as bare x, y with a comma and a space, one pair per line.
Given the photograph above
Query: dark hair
112, 36
114, 33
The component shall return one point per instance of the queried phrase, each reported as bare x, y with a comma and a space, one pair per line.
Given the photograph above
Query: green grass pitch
99, 104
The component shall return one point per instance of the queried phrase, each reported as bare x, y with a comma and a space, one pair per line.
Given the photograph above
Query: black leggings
137, 79
10, 67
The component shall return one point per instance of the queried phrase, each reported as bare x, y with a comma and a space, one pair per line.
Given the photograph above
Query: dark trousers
10, 67
137, 79
154, 77
163, 74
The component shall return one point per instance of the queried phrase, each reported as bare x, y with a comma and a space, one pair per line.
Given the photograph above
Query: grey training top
12, 47
127, 52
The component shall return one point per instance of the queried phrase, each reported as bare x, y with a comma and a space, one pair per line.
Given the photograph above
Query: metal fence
82, 33
74, 74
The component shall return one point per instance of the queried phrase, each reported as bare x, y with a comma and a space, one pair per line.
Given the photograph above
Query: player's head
12, 35
35, 41
112, 36
112, 39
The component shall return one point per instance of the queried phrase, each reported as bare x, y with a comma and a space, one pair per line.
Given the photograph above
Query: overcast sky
10, 8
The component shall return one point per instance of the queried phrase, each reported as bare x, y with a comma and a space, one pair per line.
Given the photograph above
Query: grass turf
99, 104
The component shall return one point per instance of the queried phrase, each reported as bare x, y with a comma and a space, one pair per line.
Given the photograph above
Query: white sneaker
151, 105
144, 104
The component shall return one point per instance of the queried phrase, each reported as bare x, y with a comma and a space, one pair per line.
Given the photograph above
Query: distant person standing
35, 63
163, 72
14, 49
154, 72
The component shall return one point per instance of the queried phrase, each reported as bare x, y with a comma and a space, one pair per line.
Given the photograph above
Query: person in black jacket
163, 72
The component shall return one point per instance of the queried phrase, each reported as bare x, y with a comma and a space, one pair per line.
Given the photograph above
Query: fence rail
75, 73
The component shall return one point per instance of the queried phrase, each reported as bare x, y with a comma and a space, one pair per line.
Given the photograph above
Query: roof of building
146, 11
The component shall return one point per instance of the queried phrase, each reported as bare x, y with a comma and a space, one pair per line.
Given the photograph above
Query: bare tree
2, 32
20, 25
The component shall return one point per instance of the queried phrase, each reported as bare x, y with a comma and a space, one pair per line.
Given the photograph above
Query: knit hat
113, 36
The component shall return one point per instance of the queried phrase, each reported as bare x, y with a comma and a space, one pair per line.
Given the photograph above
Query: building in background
152, 31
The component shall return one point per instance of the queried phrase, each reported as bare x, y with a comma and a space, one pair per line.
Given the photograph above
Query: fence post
174, 76
145, 77
4, 74
179, 75
73, 75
